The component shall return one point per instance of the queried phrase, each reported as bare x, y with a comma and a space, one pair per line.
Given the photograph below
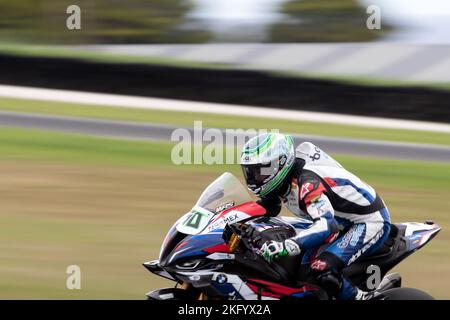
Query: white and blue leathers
346, 212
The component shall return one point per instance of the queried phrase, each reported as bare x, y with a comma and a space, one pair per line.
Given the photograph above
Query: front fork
232, 244
200, 296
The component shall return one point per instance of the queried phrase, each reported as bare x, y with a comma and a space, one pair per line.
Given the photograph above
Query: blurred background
88, 179
202, 21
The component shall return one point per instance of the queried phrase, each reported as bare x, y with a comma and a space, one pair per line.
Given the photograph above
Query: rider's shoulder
304, 149
314, 156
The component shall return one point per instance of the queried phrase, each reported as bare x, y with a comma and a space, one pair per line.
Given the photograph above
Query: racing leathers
349, 219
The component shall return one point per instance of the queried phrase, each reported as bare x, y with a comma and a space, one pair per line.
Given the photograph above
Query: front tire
171, 294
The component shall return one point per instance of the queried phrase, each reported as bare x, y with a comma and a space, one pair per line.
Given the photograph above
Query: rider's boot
364, 295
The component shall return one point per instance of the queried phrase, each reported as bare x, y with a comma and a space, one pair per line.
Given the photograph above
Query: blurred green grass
106, 204
37, 145
221, 121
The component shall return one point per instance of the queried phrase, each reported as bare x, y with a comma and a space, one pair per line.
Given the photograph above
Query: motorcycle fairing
232, 286
206, 238
418, 234
275, 290
404, 239
195, 245
235, 214
195, 221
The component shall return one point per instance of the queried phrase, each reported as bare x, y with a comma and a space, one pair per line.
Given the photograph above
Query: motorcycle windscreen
223, 193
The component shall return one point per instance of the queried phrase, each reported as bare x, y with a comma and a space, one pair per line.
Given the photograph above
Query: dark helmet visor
254, 175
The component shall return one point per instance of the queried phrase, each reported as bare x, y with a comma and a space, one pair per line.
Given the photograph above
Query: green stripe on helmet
262, 146
290, 140
278, 145
281, 175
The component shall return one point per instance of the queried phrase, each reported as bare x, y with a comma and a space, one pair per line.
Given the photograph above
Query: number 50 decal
195, 221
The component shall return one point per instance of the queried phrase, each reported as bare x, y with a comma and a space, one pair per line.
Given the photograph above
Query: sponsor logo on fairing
221, 278
224, 206
228, 218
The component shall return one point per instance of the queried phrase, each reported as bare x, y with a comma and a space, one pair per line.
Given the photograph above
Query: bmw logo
221, 278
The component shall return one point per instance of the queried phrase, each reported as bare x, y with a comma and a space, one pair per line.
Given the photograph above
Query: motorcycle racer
347, 214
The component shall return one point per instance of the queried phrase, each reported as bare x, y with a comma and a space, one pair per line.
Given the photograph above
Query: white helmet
266, 161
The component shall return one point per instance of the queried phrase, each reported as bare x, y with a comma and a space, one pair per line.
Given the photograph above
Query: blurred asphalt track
132, 130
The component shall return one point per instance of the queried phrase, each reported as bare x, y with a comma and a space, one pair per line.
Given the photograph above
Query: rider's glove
274, 249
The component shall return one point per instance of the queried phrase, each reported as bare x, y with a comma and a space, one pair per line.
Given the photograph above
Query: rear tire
406, 294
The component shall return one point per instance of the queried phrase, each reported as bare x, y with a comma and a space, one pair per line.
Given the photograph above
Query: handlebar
241, 233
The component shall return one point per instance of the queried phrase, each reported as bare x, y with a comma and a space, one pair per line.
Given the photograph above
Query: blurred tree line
102, 21
164, 21
324, 21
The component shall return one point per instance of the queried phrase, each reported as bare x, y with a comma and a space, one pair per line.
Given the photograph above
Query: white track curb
113, 100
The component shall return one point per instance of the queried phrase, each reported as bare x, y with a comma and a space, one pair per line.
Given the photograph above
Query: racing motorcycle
212, 252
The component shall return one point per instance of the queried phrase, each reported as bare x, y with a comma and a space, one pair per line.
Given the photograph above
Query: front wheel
405, 294
171, 294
